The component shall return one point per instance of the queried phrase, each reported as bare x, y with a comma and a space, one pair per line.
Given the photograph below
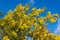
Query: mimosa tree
19, 23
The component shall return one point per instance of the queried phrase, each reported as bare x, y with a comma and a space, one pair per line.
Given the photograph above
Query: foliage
18, 24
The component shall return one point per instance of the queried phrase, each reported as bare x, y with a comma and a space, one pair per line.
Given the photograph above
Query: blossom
53, 20
5, 38
14, 33
41, 20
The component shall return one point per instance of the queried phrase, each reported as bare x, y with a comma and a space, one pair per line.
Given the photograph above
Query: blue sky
51, 5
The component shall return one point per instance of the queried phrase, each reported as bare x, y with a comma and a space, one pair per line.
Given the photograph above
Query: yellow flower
5, 38
5, 17
24, 16
2, 23
20, 22
34, 20
56, 15
14, 33
40, 10
29, 23
35, 25
20, 7
8, 17
13, 22
45, 34
33, 9
36, 13
22, 27
41, 20
40, 27
25, 25
27, 7
10, 13
49, 13
53, 20
18, 15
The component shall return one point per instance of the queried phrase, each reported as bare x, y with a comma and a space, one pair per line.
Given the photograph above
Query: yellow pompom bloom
41, 20
5, 38
25, 25
2, 23
34, 20
13, 22
36, 13
33, 9
10, 13
35, 25
24, 16
49, 13
5, 17
45, 34
20, 7
53, 20
14, 33
27, 7
8, 17
40, 27
56, 15
29, 23
18, 15
40, 10
22, 27
20, 22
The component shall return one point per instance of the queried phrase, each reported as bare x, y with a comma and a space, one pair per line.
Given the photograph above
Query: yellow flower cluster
20, 7
41, 20
2, 24
51, 17
35, 12
19, 23
13, 22
56, 15
14, 33
53, 20
38, 33
5, 38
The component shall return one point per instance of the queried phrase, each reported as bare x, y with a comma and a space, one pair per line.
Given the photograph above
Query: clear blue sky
51, 5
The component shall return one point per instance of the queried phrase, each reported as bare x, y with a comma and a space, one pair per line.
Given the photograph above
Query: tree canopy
18, 24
